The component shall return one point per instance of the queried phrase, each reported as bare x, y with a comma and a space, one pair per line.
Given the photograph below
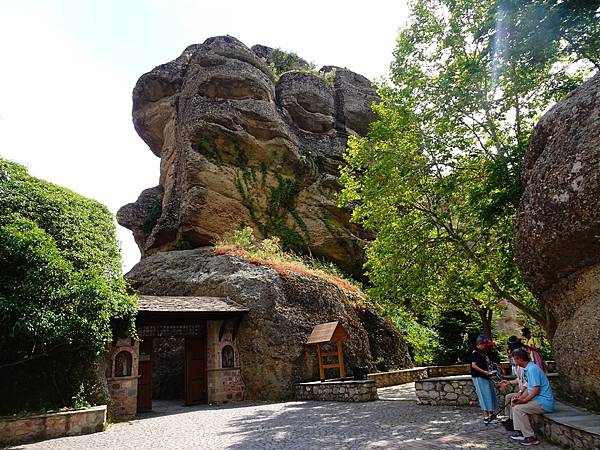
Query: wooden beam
331, 366
321, 368
341, 359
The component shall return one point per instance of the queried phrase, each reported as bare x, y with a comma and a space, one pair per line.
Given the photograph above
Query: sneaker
517, 436
531, 440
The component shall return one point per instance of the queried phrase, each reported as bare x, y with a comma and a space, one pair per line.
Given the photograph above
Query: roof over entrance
167, 304
326, 332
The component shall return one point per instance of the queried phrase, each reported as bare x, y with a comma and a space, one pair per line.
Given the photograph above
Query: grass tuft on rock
269, 253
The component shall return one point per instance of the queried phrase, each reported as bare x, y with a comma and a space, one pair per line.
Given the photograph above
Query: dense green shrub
60, 288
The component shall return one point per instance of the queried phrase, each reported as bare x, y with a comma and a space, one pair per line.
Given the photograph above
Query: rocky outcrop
238, 147
557, 233
284, 307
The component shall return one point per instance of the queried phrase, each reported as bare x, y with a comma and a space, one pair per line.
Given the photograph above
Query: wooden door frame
151, 376
204, 348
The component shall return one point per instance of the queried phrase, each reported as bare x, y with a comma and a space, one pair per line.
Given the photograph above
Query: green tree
438, 176
61, 292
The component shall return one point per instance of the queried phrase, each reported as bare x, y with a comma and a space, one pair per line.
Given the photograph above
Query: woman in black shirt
480, 373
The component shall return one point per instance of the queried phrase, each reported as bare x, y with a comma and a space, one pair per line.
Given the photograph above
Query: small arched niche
123, 364
227, 357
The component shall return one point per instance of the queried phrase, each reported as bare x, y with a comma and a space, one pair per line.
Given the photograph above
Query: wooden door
144, 397
195, 370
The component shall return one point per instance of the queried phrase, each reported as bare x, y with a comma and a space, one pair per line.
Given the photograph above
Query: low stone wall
569, 427
448, 371
458, 390
338, 391
450, 390
14, 431
394, 377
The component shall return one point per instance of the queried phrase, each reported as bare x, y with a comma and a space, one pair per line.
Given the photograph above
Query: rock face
238, 147
283, 310
557, 233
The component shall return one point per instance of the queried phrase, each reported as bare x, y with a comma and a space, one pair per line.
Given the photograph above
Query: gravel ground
395, 421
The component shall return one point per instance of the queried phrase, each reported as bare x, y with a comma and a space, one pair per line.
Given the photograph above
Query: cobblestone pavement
396, 421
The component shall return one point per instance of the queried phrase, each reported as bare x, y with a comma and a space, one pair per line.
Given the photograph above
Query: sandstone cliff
284, 307
557, 233
240, 147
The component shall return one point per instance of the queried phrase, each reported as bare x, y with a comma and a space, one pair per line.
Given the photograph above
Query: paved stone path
396, 421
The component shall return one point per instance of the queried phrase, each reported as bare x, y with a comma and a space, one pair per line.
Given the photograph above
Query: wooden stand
326, 333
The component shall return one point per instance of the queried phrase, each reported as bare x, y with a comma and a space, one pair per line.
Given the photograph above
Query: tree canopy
60, 287
438, 175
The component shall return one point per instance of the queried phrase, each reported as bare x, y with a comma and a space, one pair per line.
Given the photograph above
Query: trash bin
360, 373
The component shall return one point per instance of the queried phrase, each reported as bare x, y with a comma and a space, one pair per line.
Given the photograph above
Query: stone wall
123, 388
337, 391
465, 369
451, 390
555, 428
15, 431
394, 377
459, 390
224, 384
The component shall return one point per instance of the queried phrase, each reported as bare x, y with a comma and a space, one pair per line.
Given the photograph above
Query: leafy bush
282, 61
60, 287
423, 342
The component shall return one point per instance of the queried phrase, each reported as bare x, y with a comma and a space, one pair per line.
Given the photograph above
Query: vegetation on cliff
60, 288
438, 176
269, 253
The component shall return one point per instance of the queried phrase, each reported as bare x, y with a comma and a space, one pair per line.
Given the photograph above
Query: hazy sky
68, 68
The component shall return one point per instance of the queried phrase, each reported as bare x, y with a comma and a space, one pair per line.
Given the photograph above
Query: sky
68, 68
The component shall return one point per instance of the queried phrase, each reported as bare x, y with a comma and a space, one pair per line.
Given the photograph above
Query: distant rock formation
238, 147
283, 310
558, 233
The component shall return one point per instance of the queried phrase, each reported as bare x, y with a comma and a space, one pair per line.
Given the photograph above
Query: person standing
536, 399
480, 374
532, 346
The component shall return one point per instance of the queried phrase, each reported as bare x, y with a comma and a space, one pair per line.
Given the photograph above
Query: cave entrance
168, 368
174, 355
172, 368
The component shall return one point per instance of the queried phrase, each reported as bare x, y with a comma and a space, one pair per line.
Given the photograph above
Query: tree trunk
486, 316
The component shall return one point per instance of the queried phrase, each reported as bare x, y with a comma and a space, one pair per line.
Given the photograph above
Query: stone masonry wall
565, 436
394, 377
15, 431
458, 390
123, 389
338, 391
224, 384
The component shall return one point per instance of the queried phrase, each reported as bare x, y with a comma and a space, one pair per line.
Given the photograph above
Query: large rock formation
238, 147
283, 310
558, 233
